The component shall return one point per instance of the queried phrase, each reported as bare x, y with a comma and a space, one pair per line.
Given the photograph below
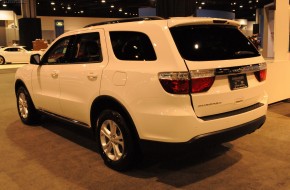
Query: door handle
92, 76
54, 74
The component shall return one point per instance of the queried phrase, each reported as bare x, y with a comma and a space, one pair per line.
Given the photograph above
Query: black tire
2, 60
26, 110
115, 141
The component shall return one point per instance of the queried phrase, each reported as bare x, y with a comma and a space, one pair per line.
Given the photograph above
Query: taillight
184, 82
262, 73
175, 82
201, 80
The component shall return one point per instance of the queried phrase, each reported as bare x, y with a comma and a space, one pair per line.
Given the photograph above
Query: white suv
174, 80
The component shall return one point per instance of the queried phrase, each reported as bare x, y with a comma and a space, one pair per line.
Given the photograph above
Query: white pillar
281, 30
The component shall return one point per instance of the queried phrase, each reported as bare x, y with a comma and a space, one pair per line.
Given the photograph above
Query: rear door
225, 68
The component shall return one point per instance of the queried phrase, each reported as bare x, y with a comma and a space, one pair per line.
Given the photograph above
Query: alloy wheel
22, 105
112, 140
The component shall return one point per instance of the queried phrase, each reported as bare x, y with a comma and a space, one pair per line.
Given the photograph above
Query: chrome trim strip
65, 118
241, 69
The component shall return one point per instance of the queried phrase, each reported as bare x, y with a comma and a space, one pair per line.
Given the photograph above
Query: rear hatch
226, 72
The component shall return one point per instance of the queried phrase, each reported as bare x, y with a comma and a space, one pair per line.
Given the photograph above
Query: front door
45, 77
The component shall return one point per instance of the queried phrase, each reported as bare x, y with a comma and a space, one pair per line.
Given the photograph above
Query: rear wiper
241, 53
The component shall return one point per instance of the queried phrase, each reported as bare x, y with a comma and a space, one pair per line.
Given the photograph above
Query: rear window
212, 42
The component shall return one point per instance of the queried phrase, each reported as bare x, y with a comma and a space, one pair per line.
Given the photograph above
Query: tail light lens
175, 82
201, 80
262, 73
185, 83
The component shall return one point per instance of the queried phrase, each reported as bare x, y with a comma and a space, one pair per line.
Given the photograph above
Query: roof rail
125, 20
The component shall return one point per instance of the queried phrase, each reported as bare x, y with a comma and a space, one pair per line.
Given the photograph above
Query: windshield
212, 42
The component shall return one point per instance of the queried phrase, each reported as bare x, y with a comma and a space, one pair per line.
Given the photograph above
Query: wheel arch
107, 102
19, 83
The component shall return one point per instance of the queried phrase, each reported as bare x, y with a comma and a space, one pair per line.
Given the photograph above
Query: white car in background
15, 54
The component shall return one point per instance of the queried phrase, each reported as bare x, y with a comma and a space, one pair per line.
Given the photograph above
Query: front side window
58, 52
212, 42
87, 48
132, 46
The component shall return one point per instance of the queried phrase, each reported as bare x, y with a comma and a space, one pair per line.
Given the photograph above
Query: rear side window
132, 46
212, 42
88, 48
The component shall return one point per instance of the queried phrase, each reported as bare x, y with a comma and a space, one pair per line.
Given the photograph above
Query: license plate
238, 81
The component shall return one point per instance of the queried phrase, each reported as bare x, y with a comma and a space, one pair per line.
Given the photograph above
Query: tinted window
212, 42
57, 54
87, 48
132, 46
12, 49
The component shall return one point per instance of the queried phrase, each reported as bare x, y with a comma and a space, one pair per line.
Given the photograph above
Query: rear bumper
232, 133
216, 137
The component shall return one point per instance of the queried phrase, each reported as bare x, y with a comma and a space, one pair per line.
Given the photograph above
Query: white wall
11, 28
278, 74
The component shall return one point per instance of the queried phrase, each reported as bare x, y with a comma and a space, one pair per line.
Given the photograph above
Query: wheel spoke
119, 140
108, 147
113, 128
117, 152
105, 132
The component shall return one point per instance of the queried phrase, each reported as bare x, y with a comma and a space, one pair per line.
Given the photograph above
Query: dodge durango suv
175, 80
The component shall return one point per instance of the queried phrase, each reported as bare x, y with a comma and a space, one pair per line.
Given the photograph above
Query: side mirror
35, 59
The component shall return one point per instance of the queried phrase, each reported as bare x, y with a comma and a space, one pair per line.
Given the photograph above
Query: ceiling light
52, 3
4, 5
112, 6
241, 6
103, 1
68, 8
120, 10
